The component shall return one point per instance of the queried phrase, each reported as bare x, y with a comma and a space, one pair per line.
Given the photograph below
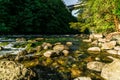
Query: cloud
70, 2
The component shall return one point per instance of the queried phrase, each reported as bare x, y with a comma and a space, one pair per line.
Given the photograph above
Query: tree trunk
117, 24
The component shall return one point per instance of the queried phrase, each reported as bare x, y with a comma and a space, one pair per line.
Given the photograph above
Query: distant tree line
34, 16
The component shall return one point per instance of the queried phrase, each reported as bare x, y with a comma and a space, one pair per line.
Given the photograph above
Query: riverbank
59, 57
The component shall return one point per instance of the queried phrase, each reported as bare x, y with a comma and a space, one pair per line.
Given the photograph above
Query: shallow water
60, 67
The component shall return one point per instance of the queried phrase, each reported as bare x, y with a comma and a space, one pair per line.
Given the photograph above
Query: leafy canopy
34, 16
98, 15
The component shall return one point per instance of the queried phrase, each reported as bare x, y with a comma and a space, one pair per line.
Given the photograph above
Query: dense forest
34, 17
98, 16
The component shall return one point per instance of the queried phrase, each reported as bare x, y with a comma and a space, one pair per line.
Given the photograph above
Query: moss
49, 61
3, 43
30, 63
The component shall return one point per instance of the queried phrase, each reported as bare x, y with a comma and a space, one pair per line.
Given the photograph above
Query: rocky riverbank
109, 46
78, 57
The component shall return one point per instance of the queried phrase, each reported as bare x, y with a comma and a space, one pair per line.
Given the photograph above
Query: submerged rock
10, 70
75, 72
111, 71
69, 43
39, 39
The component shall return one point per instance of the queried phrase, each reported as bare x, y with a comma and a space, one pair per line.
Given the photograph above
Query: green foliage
34, 16
97, 15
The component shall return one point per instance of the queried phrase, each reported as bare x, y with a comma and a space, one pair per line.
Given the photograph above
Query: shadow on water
47, 73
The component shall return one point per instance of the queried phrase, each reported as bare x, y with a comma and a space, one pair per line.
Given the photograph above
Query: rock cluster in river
99, 43
56, 49
109, 71
57, 56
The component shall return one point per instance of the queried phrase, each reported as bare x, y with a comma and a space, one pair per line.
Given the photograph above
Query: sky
70, 2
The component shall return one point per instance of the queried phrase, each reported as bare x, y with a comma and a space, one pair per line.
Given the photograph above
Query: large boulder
10, 70
109, 45
111, 71
95, 65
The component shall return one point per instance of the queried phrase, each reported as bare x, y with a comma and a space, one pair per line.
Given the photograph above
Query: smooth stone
59, 47
65, 52
48, 53
87, 40
94, 49
83, 78
95, 65
69, 43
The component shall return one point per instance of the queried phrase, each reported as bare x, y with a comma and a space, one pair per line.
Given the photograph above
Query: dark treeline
34, 16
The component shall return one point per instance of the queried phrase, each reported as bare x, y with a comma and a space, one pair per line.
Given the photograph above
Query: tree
99, 16
34, 16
